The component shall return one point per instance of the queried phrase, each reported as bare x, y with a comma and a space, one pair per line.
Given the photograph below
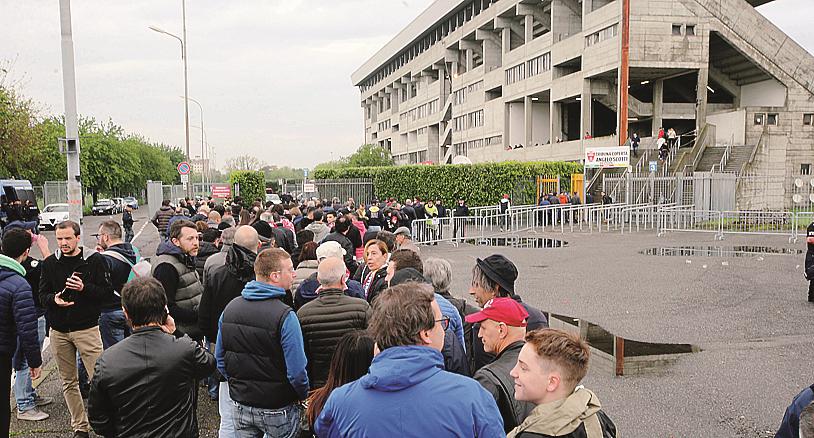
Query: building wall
581, 49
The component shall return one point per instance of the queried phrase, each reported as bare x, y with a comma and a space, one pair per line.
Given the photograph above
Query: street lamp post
183, 41
204, 164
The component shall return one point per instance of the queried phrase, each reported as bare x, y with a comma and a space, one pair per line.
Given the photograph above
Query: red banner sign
220, 191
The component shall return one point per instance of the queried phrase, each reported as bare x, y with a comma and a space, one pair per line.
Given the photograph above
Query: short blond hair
268, 261
565, 350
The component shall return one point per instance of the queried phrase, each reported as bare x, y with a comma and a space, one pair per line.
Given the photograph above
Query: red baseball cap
505, 310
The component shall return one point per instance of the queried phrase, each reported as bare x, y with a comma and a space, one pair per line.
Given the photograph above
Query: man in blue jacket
17, 301
407, 393
260, 352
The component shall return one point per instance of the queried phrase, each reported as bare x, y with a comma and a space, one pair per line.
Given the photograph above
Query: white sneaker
32, 415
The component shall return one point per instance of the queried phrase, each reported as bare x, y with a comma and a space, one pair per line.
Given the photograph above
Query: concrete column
658, 105
586, 124
556, 122
529, 27
529, 125
470, 59
701, 99
506, 35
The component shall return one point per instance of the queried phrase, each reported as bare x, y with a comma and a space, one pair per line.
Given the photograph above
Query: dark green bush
252, 184
478, 184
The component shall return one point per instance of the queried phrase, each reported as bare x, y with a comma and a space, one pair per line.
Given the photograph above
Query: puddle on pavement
638, 356
719, 251
518, 242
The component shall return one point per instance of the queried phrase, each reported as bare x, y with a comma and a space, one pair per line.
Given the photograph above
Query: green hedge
478, 184
252, 184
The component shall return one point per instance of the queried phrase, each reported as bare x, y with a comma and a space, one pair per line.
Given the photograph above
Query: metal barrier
721, 223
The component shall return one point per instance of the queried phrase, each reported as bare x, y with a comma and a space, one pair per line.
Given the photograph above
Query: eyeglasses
444, 322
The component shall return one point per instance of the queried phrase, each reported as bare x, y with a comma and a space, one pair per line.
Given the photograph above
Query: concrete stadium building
497, 80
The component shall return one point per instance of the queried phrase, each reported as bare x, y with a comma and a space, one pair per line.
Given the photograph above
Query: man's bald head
330, 273
247, 237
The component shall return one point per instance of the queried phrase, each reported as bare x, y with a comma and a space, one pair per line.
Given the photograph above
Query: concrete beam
658, 105
536, 12
725, 82
471, 45
487, 35
508, 23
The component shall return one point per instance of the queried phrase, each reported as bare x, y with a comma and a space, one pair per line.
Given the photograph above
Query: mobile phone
67, 295
76, 274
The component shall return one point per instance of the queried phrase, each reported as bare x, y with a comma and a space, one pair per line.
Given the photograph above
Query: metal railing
721, 223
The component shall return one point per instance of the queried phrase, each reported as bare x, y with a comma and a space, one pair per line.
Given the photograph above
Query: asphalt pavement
749, 315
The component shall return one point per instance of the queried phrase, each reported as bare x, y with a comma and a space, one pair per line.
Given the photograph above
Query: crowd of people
301, 319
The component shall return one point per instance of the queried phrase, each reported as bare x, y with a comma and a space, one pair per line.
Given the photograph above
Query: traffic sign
309, 188
184, 168
654, 166
184, 178
305, 172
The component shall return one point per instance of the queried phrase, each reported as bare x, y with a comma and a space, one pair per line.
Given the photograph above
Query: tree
370, 155
244, 162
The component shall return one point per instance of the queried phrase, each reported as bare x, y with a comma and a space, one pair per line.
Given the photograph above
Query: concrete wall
766, 93
540, 123
517, 123
729, 126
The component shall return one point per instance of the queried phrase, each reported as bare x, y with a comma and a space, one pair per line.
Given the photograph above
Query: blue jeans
275, 423
226, 408
113, 327
24, 391
212, 383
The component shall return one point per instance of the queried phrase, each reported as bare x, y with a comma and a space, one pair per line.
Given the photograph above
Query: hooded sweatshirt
406, 384
578, 415
319, 229
290, 340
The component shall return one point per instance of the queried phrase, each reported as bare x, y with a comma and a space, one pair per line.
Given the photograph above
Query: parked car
104, 206
52, 215
131, 201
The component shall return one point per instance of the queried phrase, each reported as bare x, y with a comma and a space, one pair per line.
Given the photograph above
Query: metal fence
360, 189
55, 192
720, 223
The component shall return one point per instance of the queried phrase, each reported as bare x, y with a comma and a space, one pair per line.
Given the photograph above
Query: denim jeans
212, 383
113, 327
226, 408
275, 423
24, 392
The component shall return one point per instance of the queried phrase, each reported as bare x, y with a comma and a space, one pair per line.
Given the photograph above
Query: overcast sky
273, 75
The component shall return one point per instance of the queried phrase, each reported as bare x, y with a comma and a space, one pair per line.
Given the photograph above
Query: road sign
184, 168
309, 188
184, 178
654, 166
220, 191
305, 172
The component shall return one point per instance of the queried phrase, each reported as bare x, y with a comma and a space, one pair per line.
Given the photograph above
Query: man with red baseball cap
502, 330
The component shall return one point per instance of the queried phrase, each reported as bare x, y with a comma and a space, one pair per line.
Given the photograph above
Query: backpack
141, 268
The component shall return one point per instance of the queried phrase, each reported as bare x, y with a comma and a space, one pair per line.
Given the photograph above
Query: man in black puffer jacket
19, 321
339, 234
810, 261
208, 247
327, 318
145, 385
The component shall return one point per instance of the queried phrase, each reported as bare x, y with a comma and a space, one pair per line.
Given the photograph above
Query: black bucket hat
500, 270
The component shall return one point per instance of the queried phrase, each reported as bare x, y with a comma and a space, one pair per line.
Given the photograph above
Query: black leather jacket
144, 386
497, 381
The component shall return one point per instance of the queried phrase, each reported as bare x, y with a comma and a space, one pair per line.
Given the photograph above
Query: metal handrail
697, 150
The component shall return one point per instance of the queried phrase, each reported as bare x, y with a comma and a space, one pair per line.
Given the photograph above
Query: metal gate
547, 185
154, 197
360, 189
714, 191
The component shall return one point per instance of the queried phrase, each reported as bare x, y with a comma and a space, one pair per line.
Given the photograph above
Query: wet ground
748, 316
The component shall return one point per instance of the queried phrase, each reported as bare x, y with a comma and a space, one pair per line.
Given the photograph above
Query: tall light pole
204, 163
70, 145
183, 40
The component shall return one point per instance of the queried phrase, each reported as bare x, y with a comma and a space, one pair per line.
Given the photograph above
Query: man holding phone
74, 282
